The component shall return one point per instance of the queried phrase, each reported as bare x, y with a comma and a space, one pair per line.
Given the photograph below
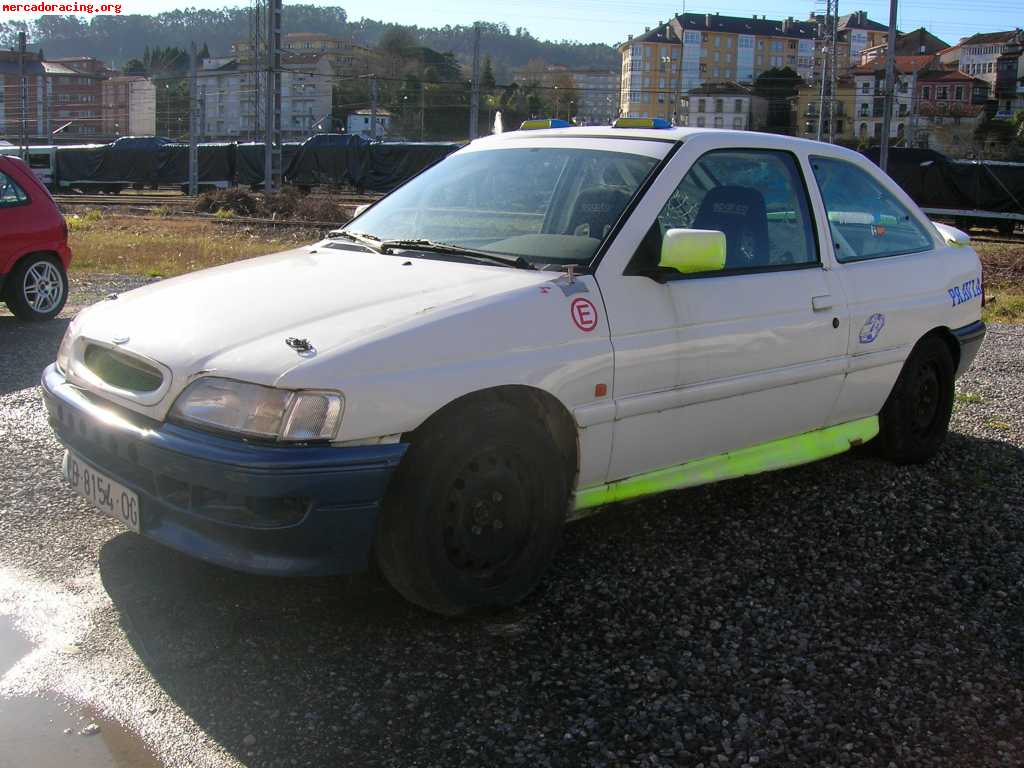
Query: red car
34, 252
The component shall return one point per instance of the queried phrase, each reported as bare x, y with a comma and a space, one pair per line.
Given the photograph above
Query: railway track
180, 201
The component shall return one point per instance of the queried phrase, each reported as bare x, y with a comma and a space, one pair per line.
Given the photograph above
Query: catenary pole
272, 114
373, 106
834, 43
193, 122
474, 94
890, 88
24, 97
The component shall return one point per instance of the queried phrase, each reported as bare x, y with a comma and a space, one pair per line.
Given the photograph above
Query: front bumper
969, 337
280, 510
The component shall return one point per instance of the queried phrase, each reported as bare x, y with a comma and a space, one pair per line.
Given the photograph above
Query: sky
611, 21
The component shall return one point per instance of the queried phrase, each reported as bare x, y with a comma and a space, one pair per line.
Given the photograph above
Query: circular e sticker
584, 314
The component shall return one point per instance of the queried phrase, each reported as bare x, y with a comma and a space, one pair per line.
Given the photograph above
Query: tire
915, 419
474, 514
37, 288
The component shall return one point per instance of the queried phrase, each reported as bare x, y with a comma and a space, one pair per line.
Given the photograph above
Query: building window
959, 93
700, 105
941, 93
700, 121
718, 41
865, 87
718, 121
737, 123
737, 105
718, 105
728, 42
926, 93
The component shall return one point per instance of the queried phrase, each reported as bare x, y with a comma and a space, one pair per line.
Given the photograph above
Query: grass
133, 245
1004, 305
968, 397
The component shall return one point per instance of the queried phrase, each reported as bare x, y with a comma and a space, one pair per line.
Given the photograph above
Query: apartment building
660, 66
77, 95
948, 106
1009, 87
347, 57
230, 94
128, 106
869, 82
724, 104
808, 106
915, 43
978, 55
596, 91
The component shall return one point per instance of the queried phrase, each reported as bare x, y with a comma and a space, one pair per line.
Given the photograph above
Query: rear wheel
474, 514
915, 419
36, 288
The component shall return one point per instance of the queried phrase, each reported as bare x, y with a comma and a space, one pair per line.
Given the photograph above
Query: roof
949, 76
52, 68
904, 65
860, 20
714, 22
909, 43
719, 88
983, 38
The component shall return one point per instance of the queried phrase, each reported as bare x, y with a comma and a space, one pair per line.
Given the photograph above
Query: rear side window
866, 220
757, 198
10, 193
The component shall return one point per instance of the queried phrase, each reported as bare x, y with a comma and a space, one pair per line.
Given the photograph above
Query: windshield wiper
370, 241
457, 250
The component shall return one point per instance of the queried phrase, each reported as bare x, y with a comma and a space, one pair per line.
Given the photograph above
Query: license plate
108, 496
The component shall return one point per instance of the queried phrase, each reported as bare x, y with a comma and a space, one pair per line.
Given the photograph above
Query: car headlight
258, 411
64, 350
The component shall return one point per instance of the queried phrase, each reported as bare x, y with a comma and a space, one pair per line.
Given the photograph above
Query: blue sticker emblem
958, 294
871, 328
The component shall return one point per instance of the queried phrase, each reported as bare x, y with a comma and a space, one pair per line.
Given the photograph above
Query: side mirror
953, 236
360, 209
692, 251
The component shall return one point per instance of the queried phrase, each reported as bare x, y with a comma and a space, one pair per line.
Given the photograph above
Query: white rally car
545, 322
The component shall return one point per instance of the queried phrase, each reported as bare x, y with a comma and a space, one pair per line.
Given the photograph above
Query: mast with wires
474, 94
828, 27
272, 115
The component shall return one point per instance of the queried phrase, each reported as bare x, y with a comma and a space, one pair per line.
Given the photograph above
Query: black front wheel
474, 513
915, 419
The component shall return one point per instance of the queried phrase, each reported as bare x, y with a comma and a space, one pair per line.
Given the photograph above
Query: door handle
821, 303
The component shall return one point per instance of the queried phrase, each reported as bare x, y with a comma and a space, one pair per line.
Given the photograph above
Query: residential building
979, 54
808, 104
230, 90
948, 105
664, 63
870, 81
858, 32
76, 96
1009, 87
915, 43
725, 104
596, 91
347, 57
360, 123
128, 106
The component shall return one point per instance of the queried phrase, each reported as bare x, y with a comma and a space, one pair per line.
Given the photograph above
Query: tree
487, 81
779, 86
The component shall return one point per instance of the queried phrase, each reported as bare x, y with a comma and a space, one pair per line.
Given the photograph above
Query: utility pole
373, 106
193, 123
272, 114
826, 29
423, 108
834, 45
24, 96
890, 88
474, 93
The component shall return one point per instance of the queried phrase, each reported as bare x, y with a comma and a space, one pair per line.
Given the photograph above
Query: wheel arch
533, 401
15, 263
946, 334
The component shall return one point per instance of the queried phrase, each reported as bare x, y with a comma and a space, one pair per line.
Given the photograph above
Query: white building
869, 83
360, 123
598, 94
724, 105
977, 54
233, 95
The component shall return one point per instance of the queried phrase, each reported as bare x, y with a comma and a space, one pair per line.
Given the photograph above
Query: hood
233, 320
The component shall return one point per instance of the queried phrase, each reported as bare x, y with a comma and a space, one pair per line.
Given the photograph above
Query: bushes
289, 203
232, 199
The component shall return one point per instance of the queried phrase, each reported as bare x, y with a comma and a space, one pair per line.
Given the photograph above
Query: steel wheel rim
925, 403
43, 287
486, 525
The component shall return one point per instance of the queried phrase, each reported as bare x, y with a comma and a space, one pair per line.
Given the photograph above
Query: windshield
548, 205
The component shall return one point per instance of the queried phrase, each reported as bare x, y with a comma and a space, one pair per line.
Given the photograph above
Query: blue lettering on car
971, 289
871, 328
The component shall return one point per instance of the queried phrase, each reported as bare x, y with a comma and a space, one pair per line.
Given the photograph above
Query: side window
866, 220
756, 197
10, 193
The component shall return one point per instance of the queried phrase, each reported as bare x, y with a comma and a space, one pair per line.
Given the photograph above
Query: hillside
116, 39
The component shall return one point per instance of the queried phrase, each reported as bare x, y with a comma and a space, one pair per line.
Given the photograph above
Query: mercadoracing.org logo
87, 8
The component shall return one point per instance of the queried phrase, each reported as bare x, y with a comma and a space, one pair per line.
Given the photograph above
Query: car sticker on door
958, 294
871, 328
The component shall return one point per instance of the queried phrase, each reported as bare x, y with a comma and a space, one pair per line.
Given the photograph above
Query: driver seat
596, 211
740, 213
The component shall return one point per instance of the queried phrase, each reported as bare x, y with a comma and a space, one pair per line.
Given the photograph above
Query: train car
41, 159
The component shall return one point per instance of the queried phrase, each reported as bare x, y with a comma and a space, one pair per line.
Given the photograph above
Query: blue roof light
550, 122
641, 122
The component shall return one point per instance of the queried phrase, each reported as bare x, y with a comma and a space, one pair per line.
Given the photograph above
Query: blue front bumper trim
285, 510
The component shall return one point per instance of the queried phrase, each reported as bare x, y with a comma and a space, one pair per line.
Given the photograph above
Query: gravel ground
846, 613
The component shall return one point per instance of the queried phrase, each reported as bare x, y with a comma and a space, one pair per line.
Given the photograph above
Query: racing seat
596, 211
741, 214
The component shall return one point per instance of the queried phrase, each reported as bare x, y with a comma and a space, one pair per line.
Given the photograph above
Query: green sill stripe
777, 454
